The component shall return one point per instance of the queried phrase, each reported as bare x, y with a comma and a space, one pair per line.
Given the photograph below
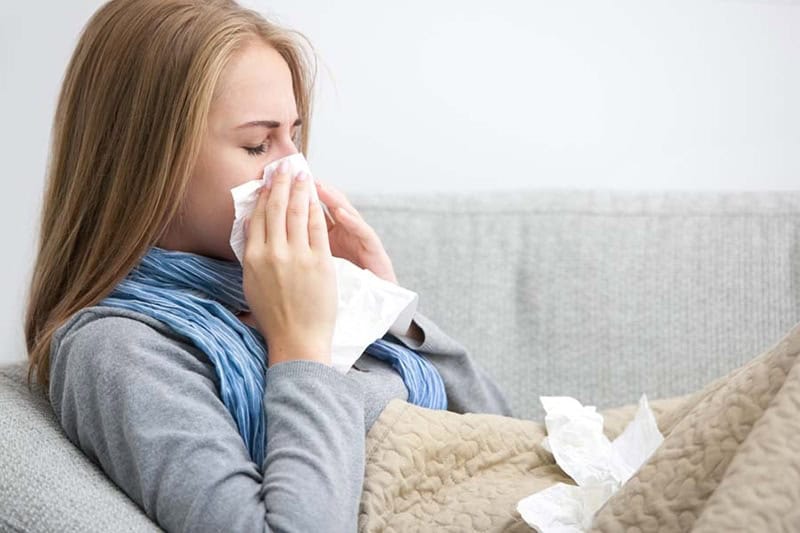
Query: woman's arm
145, 408
468, 386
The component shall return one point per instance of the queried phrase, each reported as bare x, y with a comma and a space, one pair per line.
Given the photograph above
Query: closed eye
261, 148
255, 150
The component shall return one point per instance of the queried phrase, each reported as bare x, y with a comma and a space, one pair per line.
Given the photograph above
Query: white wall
624, 94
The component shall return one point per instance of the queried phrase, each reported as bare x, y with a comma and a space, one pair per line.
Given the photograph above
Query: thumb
342, 214
350, 221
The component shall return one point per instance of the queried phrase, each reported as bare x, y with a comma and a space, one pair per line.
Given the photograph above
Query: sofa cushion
46, 483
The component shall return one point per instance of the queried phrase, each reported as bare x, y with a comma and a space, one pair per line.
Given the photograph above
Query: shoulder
104, 344
108, 325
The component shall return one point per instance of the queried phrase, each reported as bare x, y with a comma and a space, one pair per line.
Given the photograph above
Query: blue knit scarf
198, 297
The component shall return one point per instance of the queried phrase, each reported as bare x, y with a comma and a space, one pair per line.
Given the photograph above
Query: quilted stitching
729, 461
437, 470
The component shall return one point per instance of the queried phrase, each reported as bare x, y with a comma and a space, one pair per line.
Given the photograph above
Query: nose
286, 147
286, 153
283, 148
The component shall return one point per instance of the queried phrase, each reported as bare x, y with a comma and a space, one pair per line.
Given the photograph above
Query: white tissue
246, 195
599, 467
367, 306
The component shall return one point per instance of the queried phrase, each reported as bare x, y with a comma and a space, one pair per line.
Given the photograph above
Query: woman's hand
289, 277
351, 237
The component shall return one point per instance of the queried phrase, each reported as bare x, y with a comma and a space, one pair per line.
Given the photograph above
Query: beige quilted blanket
730, 461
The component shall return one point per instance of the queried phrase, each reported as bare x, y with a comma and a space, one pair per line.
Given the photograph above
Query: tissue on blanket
367, 306
599, 467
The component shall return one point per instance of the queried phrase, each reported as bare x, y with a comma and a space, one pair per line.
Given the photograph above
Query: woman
204, 389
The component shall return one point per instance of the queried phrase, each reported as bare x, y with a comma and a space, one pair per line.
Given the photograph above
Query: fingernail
283, 167
302, 176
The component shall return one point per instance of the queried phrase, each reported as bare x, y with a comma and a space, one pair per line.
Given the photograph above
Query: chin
228, 255
225, 254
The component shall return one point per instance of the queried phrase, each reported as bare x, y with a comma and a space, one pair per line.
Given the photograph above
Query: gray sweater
143, 404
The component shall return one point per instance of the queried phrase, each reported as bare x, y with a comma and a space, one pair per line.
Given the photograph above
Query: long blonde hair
128, 126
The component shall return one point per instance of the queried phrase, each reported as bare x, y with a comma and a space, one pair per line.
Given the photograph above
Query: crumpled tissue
599, 467
367, 305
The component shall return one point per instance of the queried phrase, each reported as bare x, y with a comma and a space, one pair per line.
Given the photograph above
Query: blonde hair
127, 130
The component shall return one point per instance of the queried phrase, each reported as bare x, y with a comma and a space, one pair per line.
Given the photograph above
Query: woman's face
252, 122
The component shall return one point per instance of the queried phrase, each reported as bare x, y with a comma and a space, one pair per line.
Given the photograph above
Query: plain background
461, 94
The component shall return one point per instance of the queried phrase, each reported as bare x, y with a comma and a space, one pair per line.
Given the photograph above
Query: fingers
317, 229
290, 213
334, 198
297, 213
330, 222
355, 225
277, 203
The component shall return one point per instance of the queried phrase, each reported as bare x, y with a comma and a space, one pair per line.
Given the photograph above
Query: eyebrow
267, 123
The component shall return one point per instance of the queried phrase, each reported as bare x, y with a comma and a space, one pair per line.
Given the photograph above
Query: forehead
255, 84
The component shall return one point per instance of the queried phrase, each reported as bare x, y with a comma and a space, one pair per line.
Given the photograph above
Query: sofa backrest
601, 295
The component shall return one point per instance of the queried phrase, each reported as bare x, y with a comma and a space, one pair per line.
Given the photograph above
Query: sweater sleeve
145, 407
469, 387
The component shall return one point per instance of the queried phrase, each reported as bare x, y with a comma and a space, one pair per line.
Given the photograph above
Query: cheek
223, 168
246, 168
208, 210
217, 172
209, 200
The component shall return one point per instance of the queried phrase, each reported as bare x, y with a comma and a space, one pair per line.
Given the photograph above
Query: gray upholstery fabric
46, 483
601, 295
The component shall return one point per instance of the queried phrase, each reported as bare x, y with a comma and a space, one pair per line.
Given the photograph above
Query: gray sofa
602, 295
